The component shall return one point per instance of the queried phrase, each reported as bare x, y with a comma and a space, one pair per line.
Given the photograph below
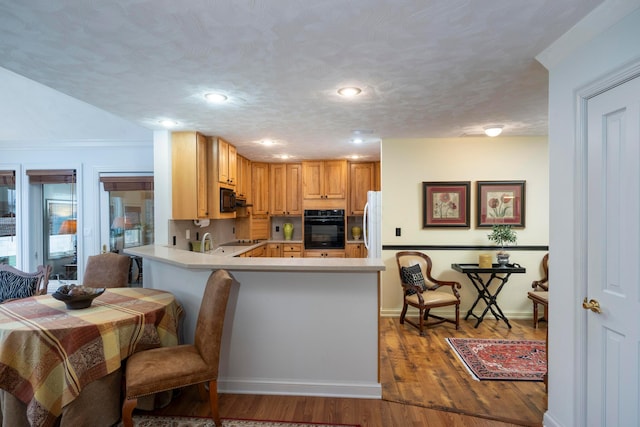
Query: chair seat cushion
431, 297
165, 368
541, 297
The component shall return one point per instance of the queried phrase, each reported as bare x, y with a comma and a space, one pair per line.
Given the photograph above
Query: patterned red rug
510, 360
184, 421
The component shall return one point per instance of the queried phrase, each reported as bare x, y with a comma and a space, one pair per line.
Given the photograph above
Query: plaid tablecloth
48, 353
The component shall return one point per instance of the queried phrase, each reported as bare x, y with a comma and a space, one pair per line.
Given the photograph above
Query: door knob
592, 305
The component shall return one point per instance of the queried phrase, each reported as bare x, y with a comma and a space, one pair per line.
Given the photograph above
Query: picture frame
446, 204
500, 202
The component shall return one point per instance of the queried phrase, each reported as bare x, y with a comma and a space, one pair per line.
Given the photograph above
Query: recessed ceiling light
493, 130
168, 123
349, 91
215, 97
266, 142
357, 140
355, 157
284, 156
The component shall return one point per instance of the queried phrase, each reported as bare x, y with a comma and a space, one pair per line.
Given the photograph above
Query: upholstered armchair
540, 293
16, 284
108, 270
420, 290
167, 368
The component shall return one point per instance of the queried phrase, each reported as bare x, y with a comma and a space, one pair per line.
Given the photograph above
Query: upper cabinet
324, 179
227, 162
243, 184
285, 189
260, 188
191, 155
361, 180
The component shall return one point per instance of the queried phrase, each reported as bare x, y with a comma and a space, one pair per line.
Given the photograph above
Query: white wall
45, 129
614, 49
407, 163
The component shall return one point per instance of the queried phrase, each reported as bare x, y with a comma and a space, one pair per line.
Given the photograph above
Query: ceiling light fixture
266, 142
168, 123
348, 92
215, 97
357, 140
493, 130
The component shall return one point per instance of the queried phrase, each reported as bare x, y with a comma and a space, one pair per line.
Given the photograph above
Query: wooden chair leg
127, 411
457, 316
202, 392
535, 315
404, 313
421, 320
213, 402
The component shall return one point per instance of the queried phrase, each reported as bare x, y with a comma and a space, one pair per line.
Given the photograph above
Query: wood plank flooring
424, 384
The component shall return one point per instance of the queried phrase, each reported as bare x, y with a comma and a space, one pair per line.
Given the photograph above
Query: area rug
168, 421
509, 360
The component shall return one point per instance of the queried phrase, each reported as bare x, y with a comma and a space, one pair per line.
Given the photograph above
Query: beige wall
406, 163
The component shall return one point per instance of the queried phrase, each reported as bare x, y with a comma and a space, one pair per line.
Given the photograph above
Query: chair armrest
542, 284
454, 285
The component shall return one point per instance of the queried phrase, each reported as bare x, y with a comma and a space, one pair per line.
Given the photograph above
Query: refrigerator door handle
365, 231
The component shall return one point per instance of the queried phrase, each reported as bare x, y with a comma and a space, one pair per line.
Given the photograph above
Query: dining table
50, 355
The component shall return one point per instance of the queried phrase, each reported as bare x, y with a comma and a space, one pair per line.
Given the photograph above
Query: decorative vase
356, 232
287, 230
503, 259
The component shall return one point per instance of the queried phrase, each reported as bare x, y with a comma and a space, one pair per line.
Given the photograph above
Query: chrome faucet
204, 239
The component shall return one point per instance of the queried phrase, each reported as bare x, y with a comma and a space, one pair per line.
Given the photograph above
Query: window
8, 247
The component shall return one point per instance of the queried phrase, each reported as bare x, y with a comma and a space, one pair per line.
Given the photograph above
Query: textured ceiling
430, 68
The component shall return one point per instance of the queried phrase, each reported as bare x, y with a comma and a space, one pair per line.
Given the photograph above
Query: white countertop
198, 261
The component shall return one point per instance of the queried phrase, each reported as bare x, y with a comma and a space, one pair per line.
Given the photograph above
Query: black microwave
227, 200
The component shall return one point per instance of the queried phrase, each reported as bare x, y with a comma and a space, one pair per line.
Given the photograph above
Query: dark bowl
75, 302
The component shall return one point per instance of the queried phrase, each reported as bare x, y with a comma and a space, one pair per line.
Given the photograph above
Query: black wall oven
324, 229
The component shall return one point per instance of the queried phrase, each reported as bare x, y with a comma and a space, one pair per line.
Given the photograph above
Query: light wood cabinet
356, 250
260, 188
227, 162
252, 227
324, 253
260, 251
274, 250
191, 155
324, 179
243, 184
292, 250
361, 180
285, 189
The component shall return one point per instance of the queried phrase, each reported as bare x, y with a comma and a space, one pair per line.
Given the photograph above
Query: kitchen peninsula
295, 326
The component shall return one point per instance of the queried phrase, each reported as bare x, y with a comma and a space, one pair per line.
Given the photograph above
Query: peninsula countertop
208, 261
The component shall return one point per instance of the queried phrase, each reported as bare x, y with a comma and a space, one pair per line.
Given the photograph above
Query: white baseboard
274, 387
526, 315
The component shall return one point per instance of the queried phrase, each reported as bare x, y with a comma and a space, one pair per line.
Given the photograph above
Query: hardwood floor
423, 383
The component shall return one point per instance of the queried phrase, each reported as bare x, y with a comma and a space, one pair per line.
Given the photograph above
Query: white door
613, 256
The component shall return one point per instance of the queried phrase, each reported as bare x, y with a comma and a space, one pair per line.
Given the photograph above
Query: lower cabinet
356, 250
292, 250
260, 251
324, 253
274, 250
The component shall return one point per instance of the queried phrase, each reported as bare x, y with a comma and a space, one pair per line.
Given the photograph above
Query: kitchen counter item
287, 230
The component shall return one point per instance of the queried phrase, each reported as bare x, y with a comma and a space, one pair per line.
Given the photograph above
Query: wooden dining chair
167, 368
108, 270
15, 284
420, 290
540, 293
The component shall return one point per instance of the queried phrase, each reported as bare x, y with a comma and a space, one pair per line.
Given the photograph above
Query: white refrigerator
372, 224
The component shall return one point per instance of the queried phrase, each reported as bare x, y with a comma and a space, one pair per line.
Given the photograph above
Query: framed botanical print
500, 202
446, 204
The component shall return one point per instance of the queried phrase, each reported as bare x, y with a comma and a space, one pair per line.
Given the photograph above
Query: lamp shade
68, 226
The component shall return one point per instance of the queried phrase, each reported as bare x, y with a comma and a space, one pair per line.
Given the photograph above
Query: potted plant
502, 234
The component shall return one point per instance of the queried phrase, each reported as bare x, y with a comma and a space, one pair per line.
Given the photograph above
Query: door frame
600, 85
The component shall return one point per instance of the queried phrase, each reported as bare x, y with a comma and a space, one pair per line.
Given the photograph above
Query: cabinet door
232, 165
354, 250
361, 180
189, 164
260, 188
223, 161
335, 179
294, 189
312, 180
278, 189
274, 250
